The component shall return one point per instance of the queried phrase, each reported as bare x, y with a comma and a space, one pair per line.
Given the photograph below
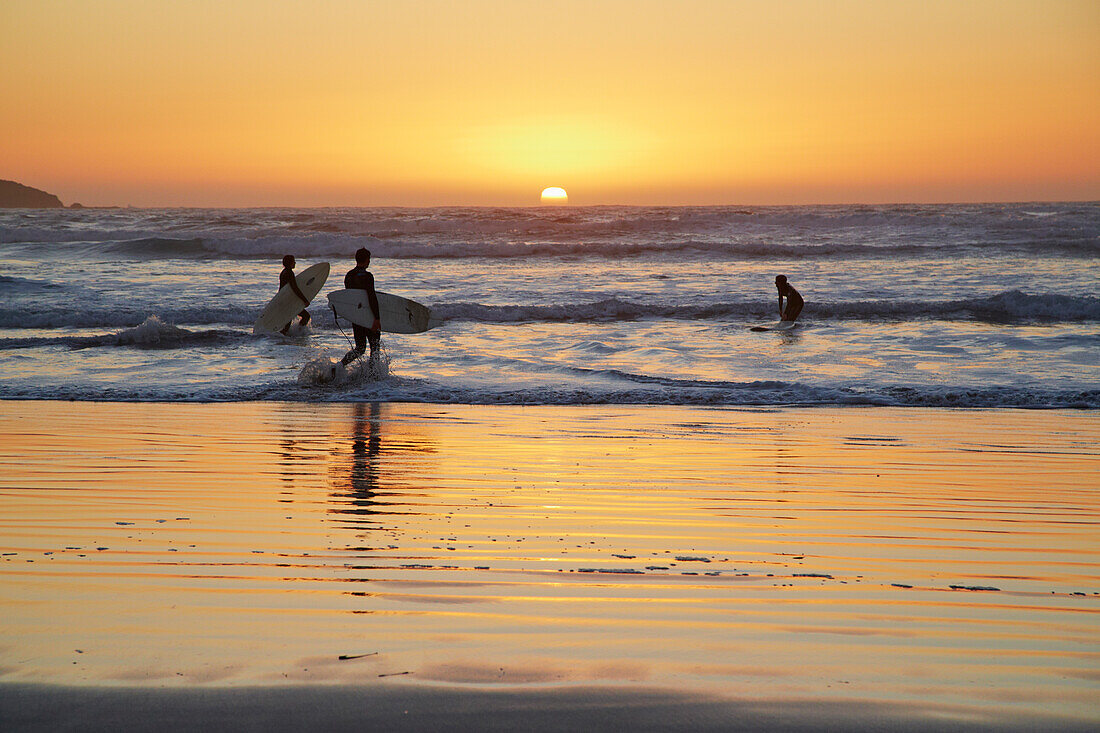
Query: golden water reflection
946, 556
364, 496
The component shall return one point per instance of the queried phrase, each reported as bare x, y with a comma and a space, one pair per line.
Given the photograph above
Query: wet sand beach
548, 567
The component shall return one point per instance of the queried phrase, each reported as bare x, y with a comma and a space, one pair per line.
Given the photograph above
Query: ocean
589, 478
985, 305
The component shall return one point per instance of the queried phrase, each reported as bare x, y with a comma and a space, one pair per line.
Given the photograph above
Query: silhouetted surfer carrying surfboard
286, 277
360, 278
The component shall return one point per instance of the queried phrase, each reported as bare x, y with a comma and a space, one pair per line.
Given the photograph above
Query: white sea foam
325, 371
152, 332
321, 371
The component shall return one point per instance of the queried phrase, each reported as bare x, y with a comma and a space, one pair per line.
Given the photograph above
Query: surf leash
336, 320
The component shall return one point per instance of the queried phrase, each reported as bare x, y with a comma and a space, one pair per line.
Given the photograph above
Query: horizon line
79, 206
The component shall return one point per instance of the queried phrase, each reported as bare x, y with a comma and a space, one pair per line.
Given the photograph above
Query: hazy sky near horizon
424, 102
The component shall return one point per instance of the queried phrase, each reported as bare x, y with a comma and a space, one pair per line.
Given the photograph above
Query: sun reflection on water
673, 546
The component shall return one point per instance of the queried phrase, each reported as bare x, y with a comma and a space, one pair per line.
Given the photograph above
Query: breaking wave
1007, 307
119, 317
1004, 307
741, 246
627, 389
1071, 230
26, 286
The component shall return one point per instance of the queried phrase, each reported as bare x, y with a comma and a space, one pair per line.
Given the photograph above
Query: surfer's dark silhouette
360, 278
794, 299
358, 497
286, 277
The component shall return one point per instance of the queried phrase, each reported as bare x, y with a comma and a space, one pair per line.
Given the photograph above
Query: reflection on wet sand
360, 494
775, 553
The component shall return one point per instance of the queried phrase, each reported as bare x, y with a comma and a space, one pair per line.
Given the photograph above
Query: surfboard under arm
397, 314
286, 304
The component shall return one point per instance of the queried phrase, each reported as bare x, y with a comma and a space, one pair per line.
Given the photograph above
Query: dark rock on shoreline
17, 196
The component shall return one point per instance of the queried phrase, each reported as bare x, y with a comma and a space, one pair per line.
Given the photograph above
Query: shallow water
941, 556
964, 305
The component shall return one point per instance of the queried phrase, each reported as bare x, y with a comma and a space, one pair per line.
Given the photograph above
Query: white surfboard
286, 304
781, 326
397, 314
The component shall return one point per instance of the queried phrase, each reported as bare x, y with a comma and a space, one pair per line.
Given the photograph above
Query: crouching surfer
794, 299
360, 278
286, 277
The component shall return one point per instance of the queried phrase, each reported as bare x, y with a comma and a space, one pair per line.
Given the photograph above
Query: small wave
152, 333
611, 309
741, 247
123, 317
635, 390
1070, 230
155, 333
25, 286
1015, 305
1006, 307
341, 246
155, 247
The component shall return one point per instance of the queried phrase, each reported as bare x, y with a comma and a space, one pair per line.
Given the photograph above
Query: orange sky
425, 102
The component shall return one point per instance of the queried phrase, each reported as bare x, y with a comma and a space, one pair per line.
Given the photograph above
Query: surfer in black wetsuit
286, 277
360, 278
794, 300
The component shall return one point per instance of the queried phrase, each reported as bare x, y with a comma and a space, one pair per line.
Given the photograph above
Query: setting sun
554, 195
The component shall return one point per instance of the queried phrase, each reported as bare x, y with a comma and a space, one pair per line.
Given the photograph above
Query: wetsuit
794, 303
360, 278
287, 276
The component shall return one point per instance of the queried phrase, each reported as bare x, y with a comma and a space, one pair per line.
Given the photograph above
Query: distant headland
17, 196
